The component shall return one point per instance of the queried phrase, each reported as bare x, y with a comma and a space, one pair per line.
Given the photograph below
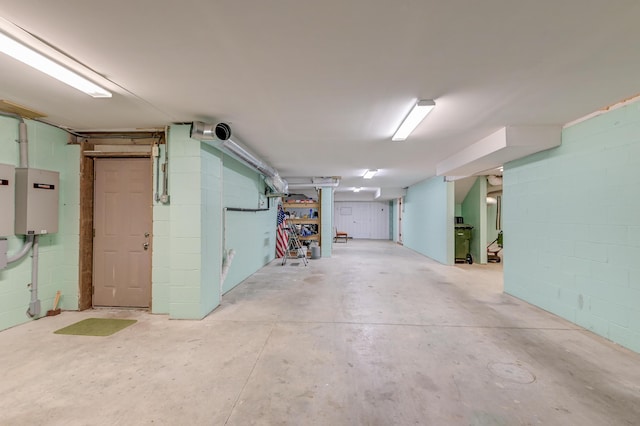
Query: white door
122, 225
363, 219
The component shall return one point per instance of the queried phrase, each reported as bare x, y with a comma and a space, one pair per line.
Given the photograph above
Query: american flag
281, 233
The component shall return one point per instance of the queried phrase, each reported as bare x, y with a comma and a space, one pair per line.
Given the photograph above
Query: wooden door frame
87, 178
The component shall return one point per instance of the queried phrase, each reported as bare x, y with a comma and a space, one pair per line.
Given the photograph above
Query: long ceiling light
370, 173
27, 55
417, 114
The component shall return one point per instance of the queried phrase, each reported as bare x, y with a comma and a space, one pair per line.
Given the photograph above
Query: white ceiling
318, 88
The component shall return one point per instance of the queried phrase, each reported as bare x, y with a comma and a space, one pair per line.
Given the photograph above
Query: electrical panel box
7, 198
36, 201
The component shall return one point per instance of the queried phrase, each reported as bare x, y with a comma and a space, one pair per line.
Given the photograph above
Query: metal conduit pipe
235, 149
31, 241
28, 242
24, 144
209, 133
34, 304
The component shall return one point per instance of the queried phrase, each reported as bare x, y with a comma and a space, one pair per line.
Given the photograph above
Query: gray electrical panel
36, 201
7, 198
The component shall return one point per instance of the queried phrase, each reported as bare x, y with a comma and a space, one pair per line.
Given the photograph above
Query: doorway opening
116, 170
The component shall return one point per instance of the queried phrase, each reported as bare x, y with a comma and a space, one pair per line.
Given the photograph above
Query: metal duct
204, 132
316, 182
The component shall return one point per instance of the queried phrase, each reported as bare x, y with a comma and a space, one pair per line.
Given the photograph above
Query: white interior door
122, 227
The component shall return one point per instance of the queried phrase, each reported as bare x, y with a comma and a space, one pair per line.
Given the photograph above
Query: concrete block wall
58, 253
250, 234
572, 238
474, 211
189, 235
427, 223
211, 193
185, 225
326, 228
161, 267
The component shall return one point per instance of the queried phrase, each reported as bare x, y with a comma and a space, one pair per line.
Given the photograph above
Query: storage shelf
313, 205
304, 208
304, 221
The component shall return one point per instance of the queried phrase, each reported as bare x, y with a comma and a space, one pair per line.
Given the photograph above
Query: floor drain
512, 372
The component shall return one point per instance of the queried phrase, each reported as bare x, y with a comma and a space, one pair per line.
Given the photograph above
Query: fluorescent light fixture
417, 114
357, 189
370, 173
40, 62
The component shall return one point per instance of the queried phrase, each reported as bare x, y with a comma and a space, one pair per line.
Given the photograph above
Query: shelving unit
299, 209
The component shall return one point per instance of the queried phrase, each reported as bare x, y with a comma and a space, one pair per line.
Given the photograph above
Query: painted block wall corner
570, 220
58, 254
428, 219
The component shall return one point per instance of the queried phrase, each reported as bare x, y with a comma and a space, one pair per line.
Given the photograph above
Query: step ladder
294, 245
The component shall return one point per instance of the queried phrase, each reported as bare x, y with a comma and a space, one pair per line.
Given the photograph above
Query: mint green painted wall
185, 225
571, 226
326, 228
211, 254
58, 253
188, 233
161, 256
474, 211
458, 210
427, 223
251, 234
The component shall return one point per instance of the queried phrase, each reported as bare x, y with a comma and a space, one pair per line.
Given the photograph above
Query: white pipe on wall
34, 304
31, 241
23, 140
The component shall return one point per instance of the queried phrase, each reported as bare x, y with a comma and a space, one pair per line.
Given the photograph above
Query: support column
326, 194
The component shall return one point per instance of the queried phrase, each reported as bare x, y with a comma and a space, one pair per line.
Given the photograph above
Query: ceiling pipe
316, 182
222, 133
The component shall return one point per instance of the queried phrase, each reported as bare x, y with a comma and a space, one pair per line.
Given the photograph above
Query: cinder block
591, 251
185, 311
612, 312
184, 294
625, 336
586, 319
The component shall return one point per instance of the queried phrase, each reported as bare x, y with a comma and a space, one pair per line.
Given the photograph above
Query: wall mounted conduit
30, 241
23, 140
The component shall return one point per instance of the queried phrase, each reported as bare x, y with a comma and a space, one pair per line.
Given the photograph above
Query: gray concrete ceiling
318, 88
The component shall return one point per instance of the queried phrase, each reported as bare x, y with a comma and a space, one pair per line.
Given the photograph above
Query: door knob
146, 246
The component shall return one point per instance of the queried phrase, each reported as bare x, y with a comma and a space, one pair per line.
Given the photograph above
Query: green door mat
96, 327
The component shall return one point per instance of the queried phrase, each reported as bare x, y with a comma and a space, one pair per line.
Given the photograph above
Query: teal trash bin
463, 242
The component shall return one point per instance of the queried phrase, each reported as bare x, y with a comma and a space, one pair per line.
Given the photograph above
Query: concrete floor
375, 335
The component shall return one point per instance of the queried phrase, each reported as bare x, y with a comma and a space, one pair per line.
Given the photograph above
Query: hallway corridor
375, 335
